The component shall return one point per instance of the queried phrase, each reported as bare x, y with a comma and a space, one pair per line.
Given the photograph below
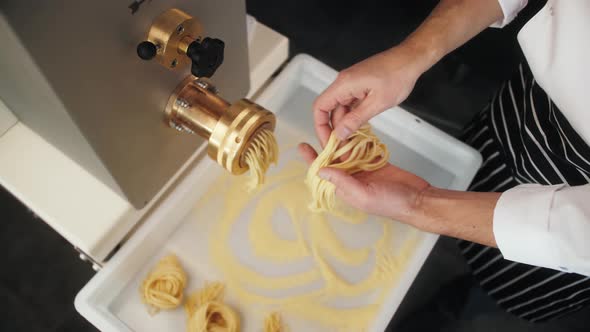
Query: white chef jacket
549, 226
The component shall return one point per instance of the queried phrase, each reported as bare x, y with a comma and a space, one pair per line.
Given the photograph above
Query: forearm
463, 215
451, 24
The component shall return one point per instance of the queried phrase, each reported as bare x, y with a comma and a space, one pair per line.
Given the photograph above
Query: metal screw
182, 103
206, 86
180, 127
173, 125
187, 129
202, 84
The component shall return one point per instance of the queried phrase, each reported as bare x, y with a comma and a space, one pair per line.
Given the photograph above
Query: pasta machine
104, 81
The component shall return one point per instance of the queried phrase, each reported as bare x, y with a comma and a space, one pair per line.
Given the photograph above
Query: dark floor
41, 272
444, 297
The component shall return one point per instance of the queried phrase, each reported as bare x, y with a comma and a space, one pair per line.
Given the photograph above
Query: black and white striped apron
524, 138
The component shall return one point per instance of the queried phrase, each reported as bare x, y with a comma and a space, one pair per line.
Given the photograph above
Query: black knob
146, 50
206, 56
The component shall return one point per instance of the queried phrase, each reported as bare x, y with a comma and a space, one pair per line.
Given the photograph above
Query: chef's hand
394, 193
367, 89
388, 192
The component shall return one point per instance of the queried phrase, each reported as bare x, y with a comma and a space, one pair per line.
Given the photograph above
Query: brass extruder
174, 40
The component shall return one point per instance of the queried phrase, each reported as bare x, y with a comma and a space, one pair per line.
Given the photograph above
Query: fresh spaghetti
163, 288
207, 312
273, 323
262, 152
366, 153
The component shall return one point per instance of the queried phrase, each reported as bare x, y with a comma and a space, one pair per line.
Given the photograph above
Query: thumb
348, 188
354, 119
307, 152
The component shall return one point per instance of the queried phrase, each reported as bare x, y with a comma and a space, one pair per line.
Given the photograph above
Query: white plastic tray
111, 301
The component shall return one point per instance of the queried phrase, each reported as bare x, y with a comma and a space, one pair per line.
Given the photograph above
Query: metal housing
69, 71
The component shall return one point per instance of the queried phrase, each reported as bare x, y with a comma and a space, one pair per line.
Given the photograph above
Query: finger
322, 126
332, 96
325, 122
355, 118
338, 114
307, 152
338, 93
348, 188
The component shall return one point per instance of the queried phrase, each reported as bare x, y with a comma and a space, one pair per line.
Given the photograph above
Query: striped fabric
524, 138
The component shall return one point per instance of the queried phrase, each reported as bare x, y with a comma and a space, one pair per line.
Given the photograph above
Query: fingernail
324, 175
343, 132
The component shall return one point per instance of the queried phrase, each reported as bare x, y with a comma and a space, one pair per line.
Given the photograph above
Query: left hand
394, 193
388, 192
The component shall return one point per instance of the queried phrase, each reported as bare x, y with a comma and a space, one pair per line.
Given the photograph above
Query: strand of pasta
164, 286
262, 152
274, 323
207, 312
365, 153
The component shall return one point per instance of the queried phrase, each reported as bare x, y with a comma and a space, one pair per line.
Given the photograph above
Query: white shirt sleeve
546, 226
510, 8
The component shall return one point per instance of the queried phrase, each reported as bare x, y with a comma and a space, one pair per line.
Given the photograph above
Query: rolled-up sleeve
546, 226
510, 8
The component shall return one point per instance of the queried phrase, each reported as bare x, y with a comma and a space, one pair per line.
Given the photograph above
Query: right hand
364, 90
